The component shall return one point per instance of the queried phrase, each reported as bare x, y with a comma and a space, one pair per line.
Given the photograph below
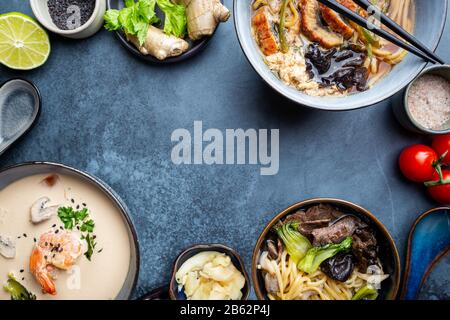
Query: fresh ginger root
203, 16
159, 44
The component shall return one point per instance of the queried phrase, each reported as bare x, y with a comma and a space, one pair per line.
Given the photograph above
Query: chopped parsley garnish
72, 218
88, 226
80, 219
91, 245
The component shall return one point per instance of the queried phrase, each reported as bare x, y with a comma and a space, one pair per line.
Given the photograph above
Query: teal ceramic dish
428, 244
429, 27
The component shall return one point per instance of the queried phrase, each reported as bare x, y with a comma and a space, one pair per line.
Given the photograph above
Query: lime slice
24, 45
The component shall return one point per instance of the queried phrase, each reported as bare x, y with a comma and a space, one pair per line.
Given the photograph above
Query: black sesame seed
21, 270
57, 230
18, 237
23, 278
78, 207
54, 225
25, 235
46, 243
34, 239
72, 200
60, 12
45, 257
84, 204
99, 251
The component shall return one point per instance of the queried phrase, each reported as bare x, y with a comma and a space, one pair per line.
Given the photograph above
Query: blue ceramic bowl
430, 22
428, 243
175, 294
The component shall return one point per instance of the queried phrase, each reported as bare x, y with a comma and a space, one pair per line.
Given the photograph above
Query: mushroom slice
39, 211
313, 27
271, 283
7, 247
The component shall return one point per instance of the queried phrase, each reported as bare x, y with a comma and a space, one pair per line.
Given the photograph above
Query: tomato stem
438, 166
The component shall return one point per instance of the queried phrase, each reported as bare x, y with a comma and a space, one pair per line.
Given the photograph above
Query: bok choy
366, 293
17, 290
296, 244
315, 256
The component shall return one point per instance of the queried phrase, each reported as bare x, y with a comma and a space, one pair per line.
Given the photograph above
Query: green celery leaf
175, 21
112, 20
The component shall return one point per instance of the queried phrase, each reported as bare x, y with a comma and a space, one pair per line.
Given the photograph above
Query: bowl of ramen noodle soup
318, 58
325, 249
64, 235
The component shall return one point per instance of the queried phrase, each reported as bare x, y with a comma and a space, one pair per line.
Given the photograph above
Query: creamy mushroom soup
50, 226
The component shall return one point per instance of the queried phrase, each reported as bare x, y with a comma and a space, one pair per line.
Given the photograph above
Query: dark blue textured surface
112, 115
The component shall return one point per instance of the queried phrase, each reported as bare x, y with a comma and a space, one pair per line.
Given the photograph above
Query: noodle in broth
293, 67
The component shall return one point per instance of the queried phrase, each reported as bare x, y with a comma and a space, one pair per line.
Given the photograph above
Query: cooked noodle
293, 284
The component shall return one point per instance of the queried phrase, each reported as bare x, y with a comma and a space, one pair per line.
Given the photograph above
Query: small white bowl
94, 24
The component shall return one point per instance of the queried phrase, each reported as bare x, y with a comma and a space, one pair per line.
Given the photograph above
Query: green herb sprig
79, 218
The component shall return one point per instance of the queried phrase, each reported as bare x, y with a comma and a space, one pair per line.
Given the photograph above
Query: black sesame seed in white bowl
75, 19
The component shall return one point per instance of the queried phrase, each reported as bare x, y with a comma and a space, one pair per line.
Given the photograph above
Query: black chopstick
391, 24
356, 18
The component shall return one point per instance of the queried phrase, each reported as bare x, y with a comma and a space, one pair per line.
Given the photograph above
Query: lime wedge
24, 45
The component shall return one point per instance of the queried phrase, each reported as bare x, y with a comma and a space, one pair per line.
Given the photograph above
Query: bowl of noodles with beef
325, 249
318, 58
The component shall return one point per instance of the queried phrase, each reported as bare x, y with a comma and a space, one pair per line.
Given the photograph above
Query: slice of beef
315, 217
321, 212
365, 248
338, 231
306, 228
299, 216
319, 216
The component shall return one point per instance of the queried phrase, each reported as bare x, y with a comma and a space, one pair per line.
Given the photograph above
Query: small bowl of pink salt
426, 102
